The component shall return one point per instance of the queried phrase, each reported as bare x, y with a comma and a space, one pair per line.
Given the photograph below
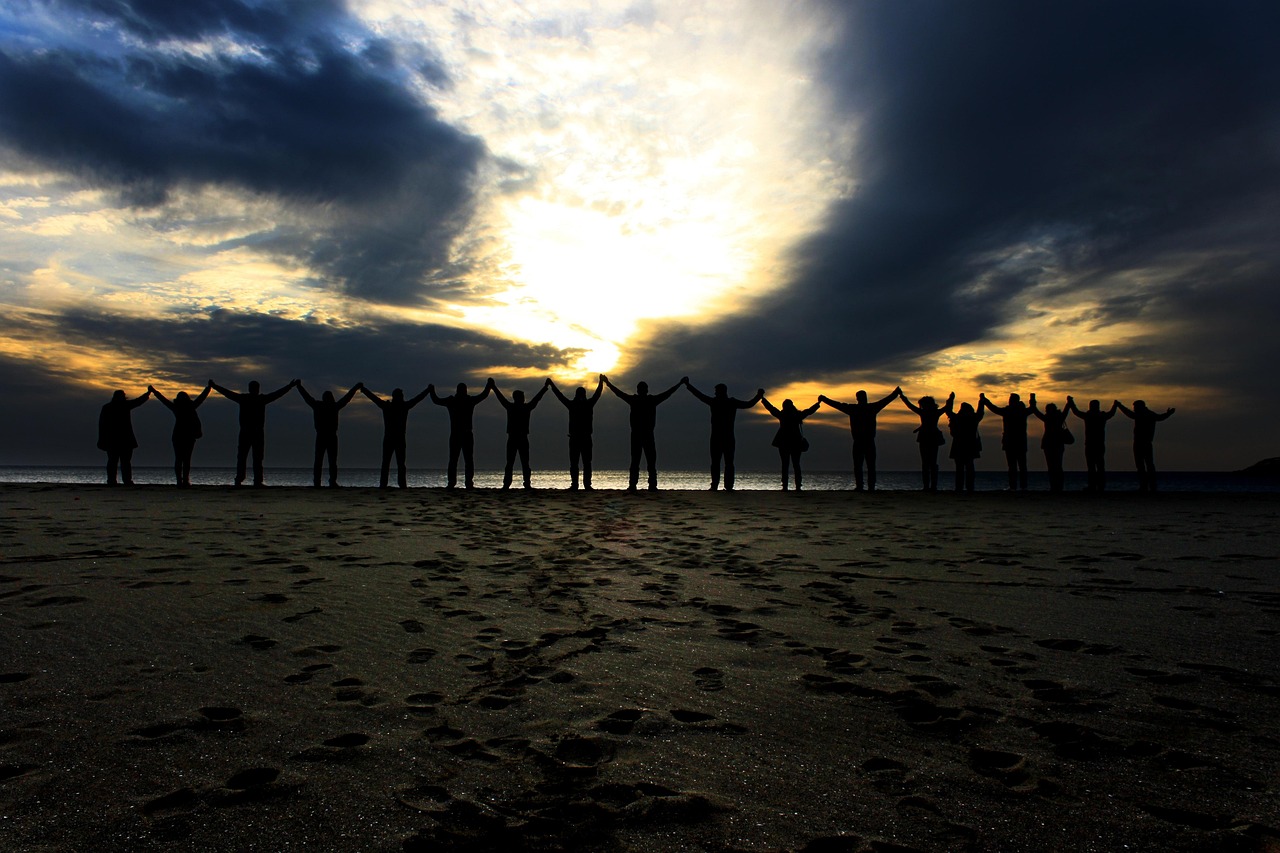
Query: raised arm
667, 393
139, 400
1128, 413
1111, 412
542, 392
413, 401
311, 401
373, 398
556, 390
983, 401
1071, 407
951, 402
695, 392
226, 392
748, 404
200, 398
280, 392
887, 399
488, 386
1167, 414
804, 413
351, 392
623, 394
910, 405
772, 410
162, 398
836, 404
599, 390
431, 392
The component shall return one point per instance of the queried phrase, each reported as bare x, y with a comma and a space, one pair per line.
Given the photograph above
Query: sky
807, 197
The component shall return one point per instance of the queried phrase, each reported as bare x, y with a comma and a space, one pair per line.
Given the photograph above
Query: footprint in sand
708, 678
412, 626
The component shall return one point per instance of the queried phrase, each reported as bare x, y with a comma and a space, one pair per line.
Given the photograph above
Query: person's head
928, 403
254, 387
861, 396
397, 394
462, 389
1051, 408
788, 406
642, 389
1094, 405
580, 394
117, 396
1014, 398
518, 396
966, 409
182, 397
722, 390
327, 396
1139, 405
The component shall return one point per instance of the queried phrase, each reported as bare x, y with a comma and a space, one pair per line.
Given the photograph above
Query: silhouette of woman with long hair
1014, 438
1095, 440
581, 414
1144, 436
325, 414
1053, 443
929, 437
462, 437
966, 444
115, 435
644, 417
862, 426
253, 425
395, 425
724, 410
186, 429
518, 412
789, 439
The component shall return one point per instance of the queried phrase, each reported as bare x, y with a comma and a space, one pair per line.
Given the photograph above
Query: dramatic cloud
291, 101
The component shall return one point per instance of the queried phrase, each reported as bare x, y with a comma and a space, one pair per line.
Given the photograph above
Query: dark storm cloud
1092, 138
296, 114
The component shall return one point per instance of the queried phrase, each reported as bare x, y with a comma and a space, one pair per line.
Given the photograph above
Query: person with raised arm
186, 429
518, 413
462, 438
325, 413
581, 411
1054, 442
115, 435
966, 444
644, 418
724, 410
1144, 436
1095, 440
789, 439
929, 437
1014, 438
395, 426
862, 426
253, 425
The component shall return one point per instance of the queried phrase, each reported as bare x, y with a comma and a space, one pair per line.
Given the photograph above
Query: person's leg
970, 475
511, 462
782, 457
651, 456
242, 456
795, 467
177, 460
318, 463
259, 442
455, 449
586, 444
729, 447
522, 448
1101, 462
126, 465
924, 467
858, 459
634, 471
933, 467
1022, 470
869, 455
959, 475
387, 448
332, 452
402, 470
716, 455
575, 453
468, 459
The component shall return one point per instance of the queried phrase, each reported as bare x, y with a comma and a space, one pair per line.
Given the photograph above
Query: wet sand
219, 669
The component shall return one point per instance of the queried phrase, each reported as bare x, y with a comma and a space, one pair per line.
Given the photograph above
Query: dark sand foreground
231, 670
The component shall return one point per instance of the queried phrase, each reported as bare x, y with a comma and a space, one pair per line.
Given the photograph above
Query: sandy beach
219, 669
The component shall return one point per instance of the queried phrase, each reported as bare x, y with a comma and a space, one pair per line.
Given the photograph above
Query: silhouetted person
966, 444
581, 414
644, 417
1095, 440
186, 429
518, 412
325, 414
115, 435
789, 439
395, 424
1144, 435
862, 425
1053, 443
929, 437
724, 410
462, 438
253, 425
1014, 439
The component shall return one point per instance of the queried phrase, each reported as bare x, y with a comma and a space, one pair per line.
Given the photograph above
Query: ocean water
986, 481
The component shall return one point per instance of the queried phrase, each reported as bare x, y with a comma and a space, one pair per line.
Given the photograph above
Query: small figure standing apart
581, 411
325, 413
462, 438
1056, 438
789, 439
724, 410
186, 429
1144, 435
644, 417
966, 444
862, 425
929, 437
1014, 438
395, 424
115, 435
1095, 440
518, 412
253, 425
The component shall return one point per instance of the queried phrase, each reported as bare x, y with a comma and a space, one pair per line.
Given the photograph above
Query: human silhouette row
116, 436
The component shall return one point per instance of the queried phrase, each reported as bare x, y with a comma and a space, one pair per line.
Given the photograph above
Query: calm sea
1180, 481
